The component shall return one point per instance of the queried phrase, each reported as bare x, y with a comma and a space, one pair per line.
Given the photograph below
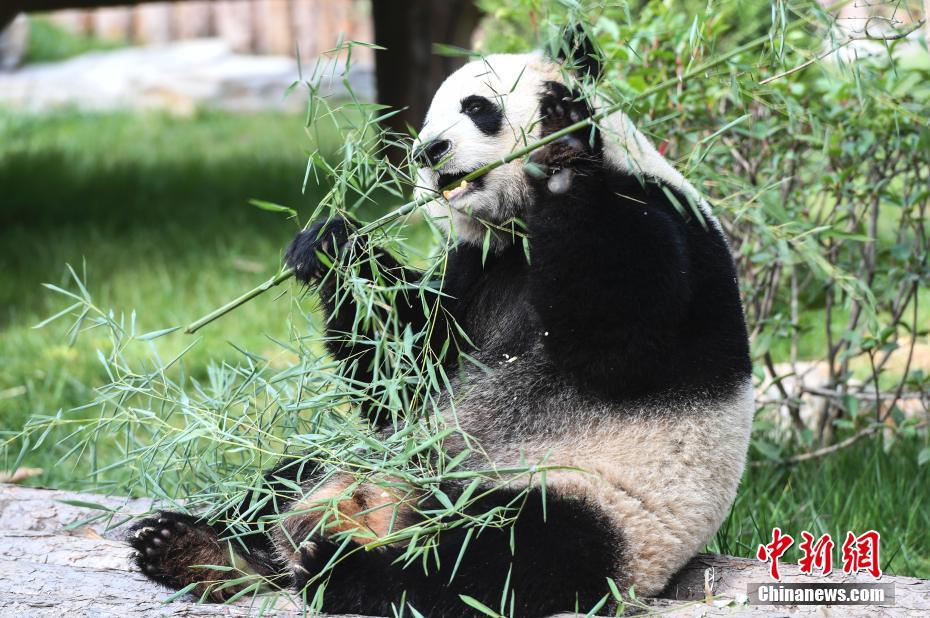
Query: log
728, 579
60, 556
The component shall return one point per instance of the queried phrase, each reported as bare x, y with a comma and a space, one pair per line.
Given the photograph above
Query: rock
180, 77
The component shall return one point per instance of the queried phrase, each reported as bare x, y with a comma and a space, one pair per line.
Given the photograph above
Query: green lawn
859, 488
157, 209
48, 42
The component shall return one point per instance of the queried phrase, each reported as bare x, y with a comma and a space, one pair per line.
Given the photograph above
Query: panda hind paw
156, 538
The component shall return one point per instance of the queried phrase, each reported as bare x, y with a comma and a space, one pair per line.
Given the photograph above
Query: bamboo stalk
281, 277
516, 154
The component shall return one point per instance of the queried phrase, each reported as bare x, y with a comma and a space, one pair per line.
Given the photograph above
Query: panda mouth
456, 186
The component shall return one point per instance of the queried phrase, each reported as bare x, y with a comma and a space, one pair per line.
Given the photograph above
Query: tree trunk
61, 554
408, 72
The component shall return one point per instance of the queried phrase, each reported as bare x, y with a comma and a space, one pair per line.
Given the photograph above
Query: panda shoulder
627, 151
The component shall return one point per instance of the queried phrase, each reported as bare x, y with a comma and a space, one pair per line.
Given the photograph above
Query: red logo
860, 553
775, 550
817, 555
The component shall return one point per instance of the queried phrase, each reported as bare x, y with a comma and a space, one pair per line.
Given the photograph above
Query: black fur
486, 114
176, 549
561, 553
632, 297
578, 51
639, 298
159, 540
327, 242
324, 240
153, 554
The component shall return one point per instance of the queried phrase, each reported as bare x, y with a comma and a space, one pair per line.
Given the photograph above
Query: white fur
665, 476
666, 480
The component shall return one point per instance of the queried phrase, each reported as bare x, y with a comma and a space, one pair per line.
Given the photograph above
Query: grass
156, 208
49, 43
858, 489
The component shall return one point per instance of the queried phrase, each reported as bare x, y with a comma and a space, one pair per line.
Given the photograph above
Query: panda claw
560, 107
302, 253
153, 540
571, 143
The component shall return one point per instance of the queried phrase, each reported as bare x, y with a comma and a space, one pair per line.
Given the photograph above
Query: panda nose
432, 151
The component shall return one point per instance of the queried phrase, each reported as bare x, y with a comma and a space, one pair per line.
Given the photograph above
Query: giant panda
611, 347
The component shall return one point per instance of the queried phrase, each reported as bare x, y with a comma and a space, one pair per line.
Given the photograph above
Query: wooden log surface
59, 556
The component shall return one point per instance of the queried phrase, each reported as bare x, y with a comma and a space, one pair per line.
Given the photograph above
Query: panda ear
578, 51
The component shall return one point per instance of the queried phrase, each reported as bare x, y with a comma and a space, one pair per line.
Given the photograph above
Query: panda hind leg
177, 550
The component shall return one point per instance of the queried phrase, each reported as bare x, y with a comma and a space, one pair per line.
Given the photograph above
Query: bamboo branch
821, 452
806, 63
281, 277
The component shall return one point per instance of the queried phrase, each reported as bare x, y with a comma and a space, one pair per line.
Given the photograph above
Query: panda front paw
559, 108
557, 164
322, 239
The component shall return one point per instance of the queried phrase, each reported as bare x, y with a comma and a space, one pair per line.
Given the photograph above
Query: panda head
480, 114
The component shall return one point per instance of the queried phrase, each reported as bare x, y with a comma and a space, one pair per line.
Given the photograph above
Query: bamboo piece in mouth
453, 192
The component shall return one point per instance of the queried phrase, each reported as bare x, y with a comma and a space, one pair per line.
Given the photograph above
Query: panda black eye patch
486, 115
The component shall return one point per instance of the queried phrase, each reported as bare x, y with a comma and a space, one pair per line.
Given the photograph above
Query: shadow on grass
157, 209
